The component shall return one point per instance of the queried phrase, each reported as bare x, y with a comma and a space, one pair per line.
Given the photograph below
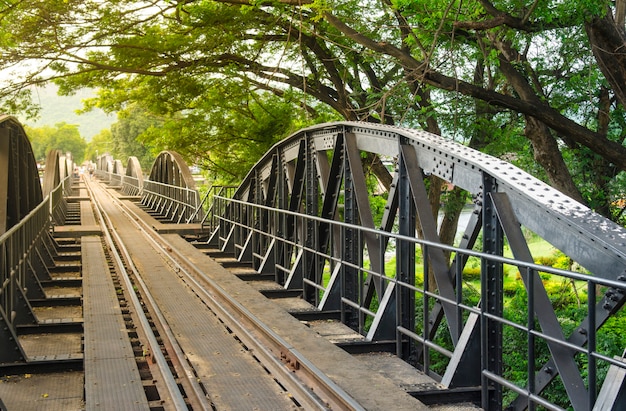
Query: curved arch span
54, 171
170, 168
172, 190
20, 188
133, 168
318, 171
132, 183
565, 223
118, 168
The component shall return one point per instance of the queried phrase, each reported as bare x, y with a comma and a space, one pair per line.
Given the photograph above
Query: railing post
311, 231
405, 257
492, 298
350, 250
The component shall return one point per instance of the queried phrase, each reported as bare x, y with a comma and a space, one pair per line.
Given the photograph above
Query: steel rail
121, 256
303, 379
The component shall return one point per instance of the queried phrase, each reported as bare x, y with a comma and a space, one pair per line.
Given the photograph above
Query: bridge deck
232, 375
233, 378
112, 380
370, 388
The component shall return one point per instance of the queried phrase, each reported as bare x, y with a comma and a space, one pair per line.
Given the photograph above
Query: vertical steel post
350, 249
405, 255
281, 220
492, 298
311, 208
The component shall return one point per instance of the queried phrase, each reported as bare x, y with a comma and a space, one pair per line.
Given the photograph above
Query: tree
484, 70
40, 139
100, 143
62, 136
126, 135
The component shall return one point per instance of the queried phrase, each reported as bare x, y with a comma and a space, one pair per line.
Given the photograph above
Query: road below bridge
169, 324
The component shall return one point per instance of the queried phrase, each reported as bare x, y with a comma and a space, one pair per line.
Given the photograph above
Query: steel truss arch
132, 183
171, 190
170, 168
59, 166
26, 244
117, 173
19, 179
318, 171
56, 170
102, 162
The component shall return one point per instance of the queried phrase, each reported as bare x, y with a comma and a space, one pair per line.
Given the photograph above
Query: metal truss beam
25, 224
171, 190
318, 173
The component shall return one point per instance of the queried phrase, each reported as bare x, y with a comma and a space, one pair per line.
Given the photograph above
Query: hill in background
57, 109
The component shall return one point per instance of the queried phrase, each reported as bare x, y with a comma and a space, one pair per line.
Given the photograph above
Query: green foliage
471, 273
561, 292
451, 67
377, 204
511, 288
128, 135
62, 136
547, 260
101, 143
230, 132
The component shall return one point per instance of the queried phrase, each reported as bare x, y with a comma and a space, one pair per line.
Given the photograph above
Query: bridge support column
350, 250
311, 233
405, 258
492, 298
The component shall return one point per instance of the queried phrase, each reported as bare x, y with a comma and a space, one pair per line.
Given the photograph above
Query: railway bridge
314, 284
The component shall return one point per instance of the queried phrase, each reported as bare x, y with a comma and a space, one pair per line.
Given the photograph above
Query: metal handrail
213, 191
17, 249
178, 204
130, 186
240, 224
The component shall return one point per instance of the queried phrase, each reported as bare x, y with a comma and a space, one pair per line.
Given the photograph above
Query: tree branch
612, 151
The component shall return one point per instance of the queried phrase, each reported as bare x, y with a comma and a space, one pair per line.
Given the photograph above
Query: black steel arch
132, 183
311, 170
104, 162
170, 168
20, 188
171, 190
555, 217
118, 167
27, 247
116, 172
133, 168
54, 172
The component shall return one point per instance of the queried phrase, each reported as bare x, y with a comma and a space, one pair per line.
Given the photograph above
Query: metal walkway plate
112, 380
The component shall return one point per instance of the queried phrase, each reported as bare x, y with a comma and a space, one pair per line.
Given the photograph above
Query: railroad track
181, 386
164, 356
201, 333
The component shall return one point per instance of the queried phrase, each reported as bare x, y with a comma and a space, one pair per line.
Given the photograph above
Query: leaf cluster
479, 71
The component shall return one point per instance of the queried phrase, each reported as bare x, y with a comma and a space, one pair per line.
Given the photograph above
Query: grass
543, 253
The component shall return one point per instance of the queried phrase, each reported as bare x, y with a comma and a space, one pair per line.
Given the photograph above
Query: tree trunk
603, 171
547, 153
455, 201
375, 164
546, 150
608, 43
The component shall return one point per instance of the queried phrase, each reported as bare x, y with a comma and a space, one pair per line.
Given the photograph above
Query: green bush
471, 273
548, 261
561, 293
419, 279
511, 288
545, 276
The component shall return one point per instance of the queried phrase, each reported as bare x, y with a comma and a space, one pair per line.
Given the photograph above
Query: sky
58, 109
